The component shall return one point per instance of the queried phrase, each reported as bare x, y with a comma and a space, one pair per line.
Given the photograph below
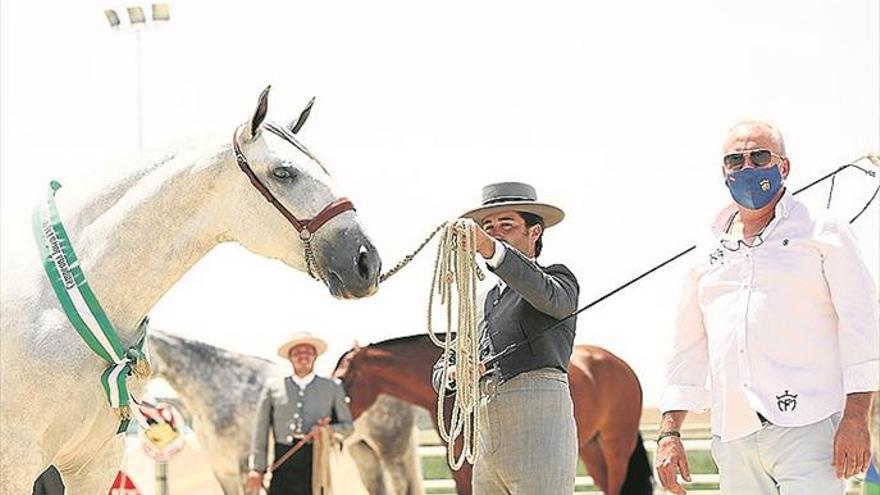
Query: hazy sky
614, 110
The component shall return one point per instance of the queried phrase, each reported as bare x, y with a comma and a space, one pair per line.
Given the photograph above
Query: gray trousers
527, 436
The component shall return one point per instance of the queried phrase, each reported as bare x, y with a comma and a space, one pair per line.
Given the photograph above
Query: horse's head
360, 390
288, 206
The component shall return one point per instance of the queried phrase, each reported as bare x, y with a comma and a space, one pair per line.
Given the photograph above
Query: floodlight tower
137, 23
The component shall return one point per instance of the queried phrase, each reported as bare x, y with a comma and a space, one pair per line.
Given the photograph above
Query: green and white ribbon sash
83, 310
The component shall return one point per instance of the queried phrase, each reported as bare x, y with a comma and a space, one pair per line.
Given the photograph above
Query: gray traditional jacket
293, 412
535, 298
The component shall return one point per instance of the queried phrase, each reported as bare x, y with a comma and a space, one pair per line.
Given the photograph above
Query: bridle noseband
306, 226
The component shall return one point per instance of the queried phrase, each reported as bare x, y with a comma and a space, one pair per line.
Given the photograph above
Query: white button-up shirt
785, 328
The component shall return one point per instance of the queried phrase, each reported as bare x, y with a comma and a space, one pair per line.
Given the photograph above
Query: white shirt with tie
786, 328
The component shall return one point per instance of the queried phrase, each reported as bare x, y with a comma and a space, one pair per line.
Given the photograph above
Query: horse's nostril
364, 264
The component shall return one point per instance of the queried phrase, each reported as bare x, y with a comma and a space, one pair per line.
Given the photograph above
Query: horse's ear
259, 113
295, 126
355, 345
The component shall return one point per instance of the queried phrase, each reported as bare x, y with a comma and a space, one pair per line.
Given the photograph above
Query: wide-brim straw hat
302, 338
517, 196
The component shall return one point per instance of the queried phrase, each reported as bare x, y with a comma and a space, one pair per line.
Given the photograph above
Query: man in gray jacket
527, 433
292, 408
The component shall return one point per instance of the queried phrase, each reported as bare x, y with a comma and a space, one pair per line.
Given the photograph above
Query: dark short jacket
535, 299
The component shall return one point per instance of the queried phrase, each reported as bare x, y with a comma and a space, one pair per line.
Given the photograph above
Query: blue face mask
754, 188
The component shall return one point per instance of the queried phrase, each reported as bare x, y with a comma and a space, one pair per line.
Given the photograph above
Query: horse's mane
406, 339
396, 341
209, 351
125, 172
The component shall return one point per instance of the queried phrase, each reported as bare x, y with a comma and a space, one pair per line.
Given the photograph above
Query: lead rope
406, 259
454, 282
311, 261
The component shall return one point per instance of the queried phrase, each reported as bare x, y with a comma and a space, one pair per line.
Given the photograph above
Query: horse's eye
283, 173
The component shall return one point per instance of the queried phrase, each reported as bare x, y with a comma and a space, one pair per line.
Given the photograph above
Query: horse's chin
340, 290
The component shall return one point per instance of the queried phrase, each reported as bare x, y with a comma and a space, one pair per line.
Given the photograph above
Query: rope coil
454, 282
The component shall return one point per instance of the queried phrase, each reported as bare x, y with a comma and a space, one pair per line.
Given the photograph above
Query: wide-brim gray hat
517, 196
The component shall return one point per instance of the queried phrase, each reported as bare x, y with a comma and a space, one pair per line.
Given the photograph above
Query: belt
489, 382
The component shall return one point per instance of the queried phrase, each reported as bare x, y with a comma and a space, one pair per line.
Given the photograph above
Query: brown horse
606, 393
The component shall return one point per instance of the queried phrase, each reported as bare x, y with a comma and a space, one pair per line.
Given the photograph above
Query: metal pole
140, 102
161, 478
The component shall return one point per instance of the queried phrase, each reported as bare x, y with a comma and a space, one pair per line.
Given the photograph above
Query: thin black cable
873, 197
512, 347
830, 191
833, 173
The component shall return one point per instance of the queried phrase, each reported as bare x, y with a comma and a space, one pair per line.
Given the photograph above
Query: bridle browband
307, 226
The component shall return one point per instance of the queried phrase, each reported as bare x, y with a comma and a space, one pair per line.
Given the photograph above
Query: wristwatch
664, 434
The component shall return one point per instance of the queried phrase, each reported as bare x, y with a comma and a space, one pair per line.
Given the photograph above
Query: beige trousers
780, 460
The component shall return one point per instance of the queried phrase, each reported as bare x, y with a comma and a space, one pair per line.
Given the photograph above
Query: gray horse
135, 236
220, 389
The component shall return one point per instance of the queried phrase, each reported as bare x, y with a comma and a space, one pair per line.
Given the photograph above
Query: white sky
614, 110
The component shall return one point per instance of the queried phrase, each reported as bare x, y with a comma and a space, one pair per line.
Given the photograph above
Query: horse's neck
170, 358
202, 374
403, 378
138, 236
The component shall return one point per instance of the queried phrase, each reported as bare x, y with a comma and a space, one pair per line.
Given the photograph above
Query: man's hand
254, 482
852, 440
481, 370
323, 423
671, 459
852, 447
483, 243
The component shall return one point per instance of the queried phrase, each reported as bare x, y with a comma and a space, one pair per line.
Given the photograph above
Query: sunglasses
759, 158
736, 244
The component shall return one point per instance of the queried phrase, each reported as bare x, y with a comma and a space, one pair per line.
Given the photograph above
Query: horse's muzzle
351, 271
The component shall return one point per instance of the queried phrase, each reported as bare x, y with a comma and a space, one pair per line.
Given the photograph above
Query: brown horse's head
399, 367
351, 371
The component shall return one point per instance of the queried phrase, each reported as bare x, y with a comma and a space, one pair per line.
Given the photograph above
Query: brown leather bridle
307, 226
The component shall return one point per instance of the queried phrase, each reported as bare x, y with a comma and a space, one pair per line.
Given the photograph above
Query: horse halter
306, 226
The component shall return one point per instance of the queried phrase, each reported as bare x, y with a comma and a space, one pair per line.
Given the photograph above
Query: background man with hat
527, 435
292, 408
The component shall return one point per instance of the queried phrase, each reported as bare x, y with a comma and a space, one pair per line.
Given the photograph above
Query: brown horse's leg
591, 455
462, 479
616, 452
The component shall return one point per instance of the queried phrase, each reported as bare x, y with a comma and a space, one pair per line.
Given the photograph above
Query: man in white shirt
777, 333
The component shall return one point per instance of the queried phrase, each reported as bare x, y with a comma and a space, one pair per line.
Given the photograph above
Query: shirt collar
304, 381
722, 220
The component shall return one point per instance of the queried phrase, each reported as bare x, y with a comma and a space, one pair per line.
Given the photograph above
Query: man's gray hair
774, 131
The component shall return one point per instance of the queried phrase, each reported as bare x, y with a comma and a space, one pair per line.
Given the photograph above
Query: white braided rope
455, 282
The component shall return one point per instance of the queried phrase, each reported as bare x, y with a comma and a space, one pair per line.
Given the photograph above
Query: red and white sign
123, 485
162, 431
